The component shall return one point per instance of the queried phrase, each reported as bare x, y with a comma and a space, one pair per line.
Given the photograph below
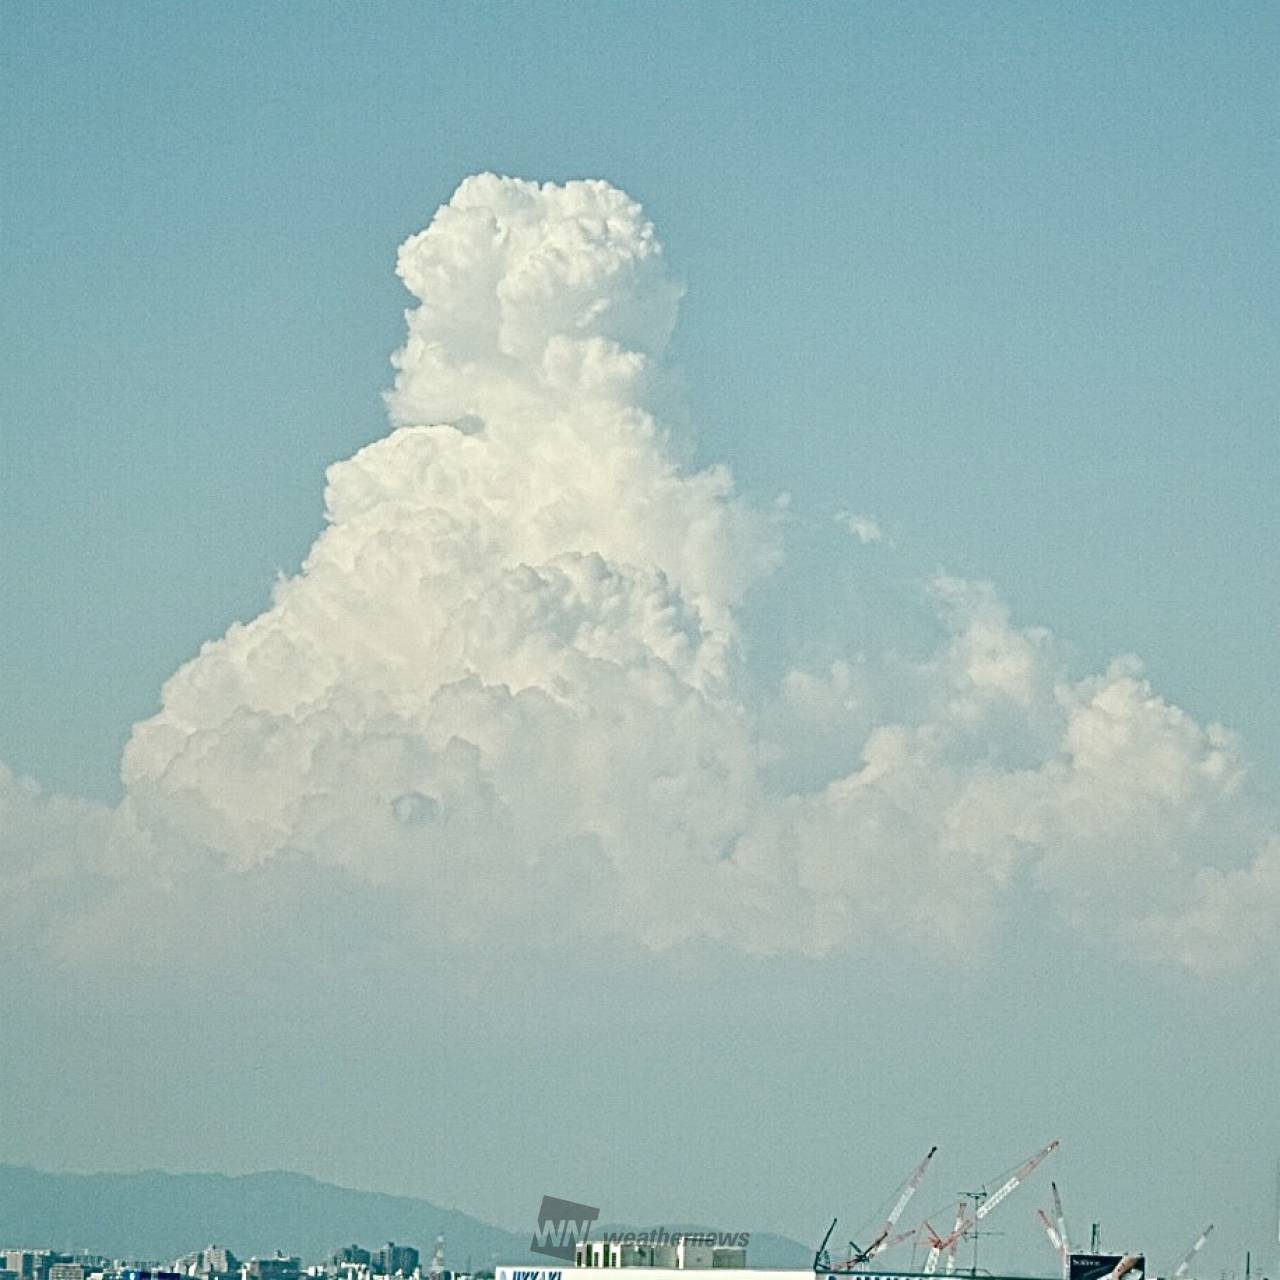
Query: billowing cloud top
530, 297
503, 682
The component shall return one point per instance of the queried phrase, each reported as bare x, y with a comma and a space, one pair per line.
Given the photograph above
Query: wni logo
561, 1225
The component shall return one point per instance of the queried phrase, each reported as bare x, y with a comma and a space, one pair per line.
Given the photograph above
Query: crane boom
856, 1258
883, 1239
938, 1243
909, 1189
821, 1259
1061, 1219
935, 1248
1181, 1269
901, 1238
962, 1212
1055, 1237
1009, 1186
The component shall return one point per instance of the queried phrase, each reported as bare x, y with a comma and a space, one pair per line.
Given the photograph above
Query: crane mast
936, 1246
961, 1214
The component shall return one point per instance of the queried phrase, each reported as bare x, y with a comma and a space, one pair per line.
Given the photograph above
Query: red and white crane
1055, 1239
949, 1242
962, 1212
1056, 1230
885, 1237
856, 1259
966, 1222
1060, 1219
1181, 1269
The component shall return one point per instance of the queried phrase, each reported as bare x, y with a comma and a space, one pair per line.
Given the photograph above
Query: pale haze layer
504, 692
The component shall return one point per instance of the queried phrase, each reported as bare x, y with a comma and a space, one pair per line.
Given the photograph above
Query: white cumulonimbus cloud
506, 682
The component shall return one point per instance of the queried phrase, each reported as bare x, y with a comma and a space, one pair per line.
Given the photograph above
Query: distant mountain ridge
160, 1216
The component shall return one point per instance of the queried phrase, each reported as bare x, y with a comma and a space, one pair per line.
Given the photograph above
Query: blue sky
1002, 275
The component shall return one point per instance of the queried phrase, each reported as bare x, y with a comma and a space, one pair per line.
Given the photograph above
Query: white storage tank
693, 1255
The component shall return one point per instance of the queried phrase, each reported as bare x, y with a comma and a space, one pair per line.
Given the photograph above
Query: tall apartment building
395, 1259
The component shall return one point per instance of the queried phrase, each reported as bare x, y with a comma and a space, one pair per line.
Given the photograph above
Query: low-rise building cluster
216, 1262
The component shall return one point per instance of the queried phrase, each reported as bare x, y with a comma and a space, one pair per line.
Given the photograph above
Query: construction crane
961, 1213
1019, 1176
1181, 1269
1055, 1239
854, 1261
1060, 1219
963, 1226
884, 1238
821, 1258
938, 1243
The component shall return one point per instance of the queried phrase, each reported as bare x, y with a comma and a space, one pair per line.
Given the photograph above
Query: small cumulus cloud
866, 528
